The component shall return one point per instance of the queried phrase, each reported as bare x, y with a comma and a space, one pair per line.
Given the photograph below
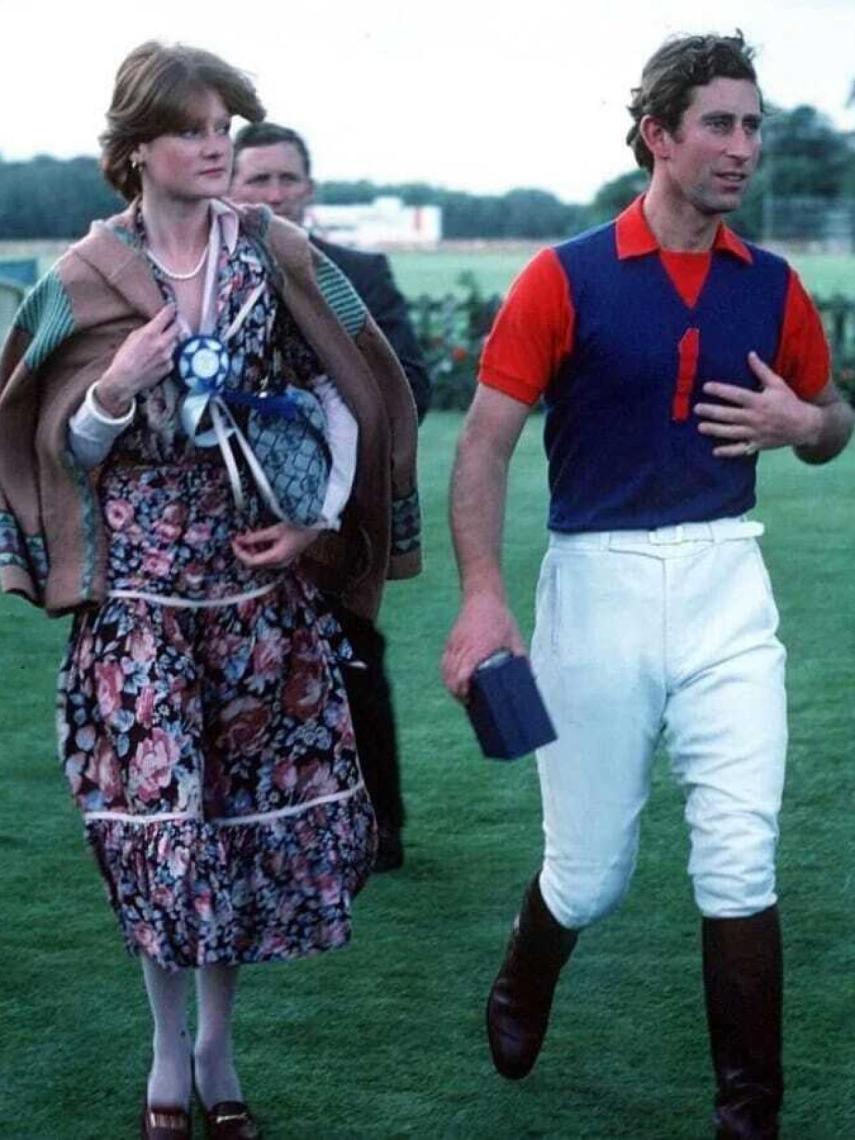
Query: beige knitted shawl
52, 541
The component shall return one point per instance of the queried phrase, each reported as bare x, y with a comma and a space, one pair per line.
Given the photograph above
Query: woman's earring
136, 164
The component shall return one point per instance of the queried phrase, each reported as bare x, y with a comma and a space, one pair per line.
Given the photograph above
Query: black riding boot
743, 984
521, 997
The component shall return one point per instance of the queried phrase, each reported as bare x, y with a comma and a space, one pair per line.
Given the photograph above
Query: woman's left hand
277, 545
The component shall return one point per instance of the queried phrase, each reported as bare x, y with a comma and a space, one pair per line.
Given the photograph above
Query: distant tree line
517, 214
805, 156
54, 198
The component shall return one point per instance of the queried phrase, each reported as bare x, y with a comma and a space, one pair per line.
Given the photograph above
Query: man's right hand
141, 361
484, 626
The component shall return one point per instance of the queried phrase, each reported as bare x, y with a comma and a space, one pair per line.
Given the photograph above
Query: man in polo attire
668, 353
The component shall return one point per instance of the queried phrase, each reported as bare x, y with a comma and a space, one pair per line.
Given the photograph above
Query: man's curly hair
671, 73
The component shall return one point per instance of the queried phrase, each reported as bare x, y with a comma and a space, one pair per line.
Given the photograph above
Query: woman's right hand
274, 546
142, 360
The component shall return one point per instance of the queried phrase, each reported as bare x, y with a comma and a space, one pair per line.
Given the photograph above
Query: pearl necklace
179, 276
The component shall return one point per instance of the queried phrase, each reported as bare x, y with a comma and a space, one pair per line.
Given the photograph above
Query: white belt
717, 530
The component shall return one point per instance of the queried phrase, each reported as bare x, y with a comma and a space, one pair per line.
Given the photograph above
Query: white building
383, 223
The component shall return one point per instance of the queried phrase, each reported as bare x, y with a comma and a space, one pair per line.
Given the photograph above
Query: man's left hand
757, 421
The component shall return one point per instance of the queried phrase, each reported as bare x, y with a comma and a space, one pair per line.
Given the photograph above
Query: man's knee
735, 877
579, 894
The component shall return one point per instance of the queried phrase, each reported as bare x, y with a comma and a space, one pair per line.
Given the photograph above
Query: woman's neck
176, 231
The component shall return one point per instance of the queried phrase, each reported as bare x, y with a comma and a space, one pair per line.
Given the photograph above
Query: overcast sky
471, 94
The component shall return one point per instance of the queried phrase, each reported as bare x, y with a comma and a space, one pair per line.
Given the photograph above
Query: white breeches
647, 633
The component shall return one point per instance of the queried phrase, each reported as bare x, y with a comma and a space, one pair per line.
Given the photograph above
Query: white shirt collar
227, 216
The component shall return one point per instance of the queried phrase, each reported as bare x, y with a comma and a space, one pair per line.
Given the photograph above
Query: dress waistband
196, 603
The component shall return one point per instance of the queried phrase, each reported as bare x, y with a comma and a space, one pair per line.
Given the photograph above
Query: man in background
272, 165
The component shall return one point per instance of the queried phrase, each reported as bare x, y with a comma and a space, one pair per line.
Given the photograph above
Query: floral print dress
203, 722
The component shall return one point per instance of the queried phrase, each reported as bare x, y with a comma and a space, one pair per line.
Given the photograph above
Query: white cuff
98, 413
91, 432
342, 437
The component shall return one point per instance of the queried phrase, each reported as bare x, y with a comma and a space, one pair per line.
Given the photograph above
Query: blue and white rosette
203, 363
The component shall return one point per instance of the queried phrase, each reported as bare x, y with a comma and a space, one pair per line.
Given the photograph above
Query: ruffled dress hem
190, 893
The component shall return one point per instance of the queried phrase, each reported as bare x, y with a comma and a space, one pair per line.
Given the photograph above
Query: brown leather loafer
230, 1120
165, 1123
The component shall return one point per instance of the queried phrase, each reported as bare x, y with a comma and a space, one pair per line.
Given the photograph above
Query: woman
203, 723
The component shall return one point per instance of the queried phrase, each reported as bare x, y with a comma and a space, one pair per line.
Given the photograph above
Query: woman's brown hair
153, 95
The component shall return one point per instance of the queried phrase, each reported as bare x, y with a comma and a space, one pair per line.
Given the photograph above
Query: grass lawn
385, 1039
826, 274
437, 272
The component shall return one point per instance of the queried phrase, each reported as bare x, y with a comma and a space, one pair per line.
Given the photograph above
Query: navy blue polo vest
621, 436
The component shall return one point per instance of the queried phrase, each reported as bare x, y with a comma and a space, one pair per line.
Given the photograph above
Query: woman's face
195, 162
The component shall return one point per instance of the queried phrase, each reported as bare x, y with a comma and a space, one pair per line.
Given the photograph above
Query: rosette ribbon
203, 362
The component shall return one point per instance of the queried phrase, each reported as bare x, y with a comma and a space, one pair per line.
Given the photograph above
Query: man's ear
656, 136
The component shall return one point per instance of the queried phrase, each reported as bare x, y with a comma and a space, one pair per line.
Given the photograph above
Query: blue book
506, 708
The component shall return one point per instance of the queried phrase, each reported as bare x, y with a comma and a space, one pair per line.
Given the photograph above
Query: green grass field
436, 273
385, 1039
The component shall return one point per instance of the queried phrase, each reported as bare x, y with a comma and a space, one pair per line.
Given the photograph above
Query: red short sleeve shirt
533, 331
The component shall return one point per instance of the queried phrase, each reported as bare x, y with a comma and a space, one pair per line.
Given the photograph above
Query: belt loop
668, 535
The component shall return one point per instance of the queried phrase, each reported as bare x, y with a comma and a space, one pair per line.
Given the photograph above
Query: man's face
710, 158
276, 176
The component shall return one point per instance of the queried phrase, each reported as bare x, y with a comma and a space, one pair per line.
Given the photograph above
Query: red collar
635, 237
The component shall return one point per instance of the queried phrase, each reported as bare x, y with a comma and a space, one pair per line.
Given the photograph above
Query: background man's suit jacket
372, 278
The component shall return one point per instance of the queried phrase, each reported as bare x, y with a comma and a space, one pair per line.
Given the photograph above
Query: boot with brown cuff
743, 986
521, 996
